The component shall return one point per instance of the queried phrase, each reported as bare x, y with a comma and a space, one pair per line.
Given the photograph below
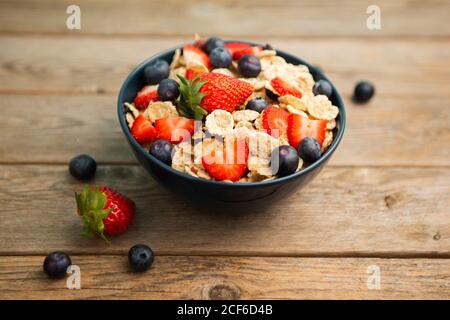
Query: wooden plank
410, 130
97, 65
230, 278
243, 18
344, 212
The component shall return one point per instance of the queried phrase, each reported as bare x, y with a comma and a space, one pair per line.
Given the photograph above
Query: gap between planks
373, 37
231, 254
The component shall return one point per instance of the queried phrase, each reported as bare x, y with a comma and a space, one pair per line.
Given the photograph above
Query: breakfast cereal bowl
246, 192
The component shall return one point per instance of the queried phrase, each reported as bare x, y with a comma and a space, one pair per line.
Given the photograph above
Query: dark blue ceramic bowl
215, 193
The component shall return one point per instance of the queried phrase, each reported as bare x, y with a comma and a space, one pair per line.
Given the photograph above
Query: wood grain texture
344, 212
229, 278
60, 64
291, 18
388, 131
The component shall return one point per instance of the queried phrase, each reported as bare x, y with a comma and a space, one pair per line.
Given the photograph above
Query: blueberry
287, 159
258, 104
56, 264
267, 46
363, 92
309, 150
323, 87
220, 57
249, 66
156, 71
82, 167
211, 44
168, 90
162, 150
140, 257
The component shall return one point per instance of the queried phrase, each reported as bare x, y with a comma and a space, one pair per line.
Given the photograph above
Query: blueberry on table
309, 150
82, 167
364, 91
211, 44
140, 257
286, 159
220, 57
56, 264
323, 87
168, 90
257, 104
249, 66
162, 150
156, 71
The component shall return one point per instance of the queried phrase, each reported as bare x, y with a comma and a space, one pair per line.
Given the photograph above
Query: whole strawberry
211, 91
223, 92
104, 211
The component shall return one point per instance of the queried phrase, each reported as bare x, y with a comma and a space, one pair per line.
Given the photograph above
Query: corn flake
320, 107
159, 109
245, 115
219, 122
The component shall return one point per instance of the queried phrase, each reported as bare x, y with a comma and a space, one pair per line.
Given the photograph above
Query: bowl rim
280, 180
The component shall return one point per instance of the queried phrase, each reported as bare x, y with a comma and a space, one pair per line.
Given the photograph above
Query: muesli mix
232, 112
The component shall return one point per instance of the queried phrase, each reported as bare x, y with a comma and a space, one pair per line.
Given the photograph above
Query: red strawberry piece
195, 55
143, 130
283, 88
275, 121
227, 164
104, 212
143, 98
223, 92
250, 50
300, 127
174, 129
194, 71
236, 46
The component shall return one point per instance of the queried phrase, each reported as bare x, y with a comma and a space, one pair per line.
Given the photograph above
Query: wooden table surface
383, 200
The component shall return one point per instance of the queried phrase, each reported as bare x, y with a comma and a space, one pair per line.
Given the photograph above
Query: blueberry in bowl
239, 134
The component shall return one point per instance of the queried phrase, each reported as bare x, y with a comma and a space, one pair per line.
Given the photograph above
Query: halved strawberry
143, 97
236, 46
250, 50
227, 164
283, 88
195, 70
195, 55
275, 121
300, 127
174, 129
143, 130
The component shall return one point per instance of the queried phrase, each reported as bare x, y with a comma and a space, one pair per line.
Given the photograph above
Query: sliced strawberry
147, 94
195, 55
300, 127
250, 50
236, 46
275, 121
195, 70
174, 129
283, 88
227, 164
142, 130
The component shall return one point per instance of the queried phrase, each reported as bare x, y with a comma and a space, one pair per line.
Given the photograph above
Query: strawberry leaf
190, 98
91, 203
